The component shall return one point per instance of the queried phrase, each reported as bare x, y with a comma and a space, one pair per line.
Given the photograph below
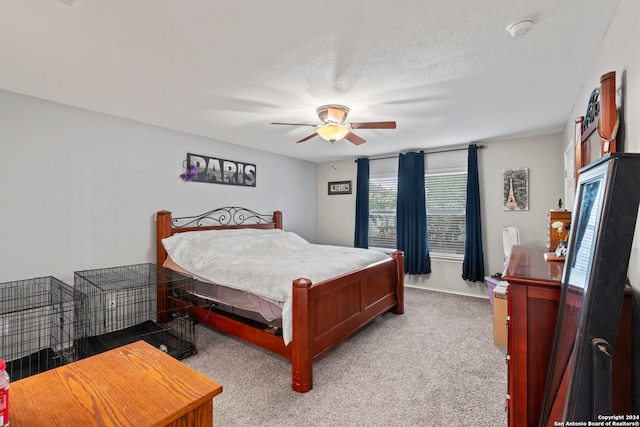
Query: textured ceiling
447, 72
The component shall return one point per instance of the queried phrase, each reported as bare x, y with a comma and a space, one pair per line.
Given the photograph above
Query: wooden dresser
134, 385
533, 299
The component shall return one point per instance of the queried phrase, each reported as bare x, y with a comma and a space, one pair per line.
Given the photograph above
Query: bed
323, 313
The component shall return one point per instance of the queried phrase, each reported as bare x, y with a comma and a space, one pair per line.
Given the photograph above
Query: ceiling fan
334, 126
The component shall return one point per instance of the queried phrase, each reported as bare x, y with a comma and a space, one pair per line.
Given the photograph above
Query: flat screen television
578, 386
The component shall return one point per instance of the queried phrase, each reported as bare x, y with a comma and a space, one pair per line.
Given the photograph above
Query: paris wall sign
221, 171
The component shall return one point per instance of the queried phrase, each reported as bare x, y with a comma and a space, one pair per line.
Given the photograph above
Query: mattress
233, 300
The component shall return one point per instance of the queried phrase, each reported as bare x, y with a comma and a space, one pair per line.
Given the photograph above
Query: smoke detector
73, 4
517, 29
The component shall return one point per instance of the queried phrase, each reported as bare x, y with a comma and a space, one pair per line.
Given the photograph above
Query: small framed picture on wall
515, 187
339, 187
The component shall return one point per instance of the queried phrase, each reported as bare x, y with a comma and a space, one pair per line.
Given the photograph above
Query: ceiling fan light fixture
332, 132
332, 113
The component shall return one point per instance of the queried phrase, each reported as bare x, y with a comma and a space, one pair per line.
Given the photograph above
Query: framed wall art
515, 186
220, 171
339, 187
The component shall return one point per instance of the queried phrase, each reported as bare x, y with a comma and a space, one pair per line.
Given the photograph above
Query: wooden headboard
217, 219
599, 126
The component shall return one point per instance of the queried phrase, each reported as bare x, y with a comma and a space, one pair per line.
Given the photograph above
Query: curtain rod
480, 147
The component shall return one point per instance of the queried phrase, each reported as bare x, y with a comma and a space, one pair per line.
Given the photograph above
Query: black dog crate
37, 322
121, 307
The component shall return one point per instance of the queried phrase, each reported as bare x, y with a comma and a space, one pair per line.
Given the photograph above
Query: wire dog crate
37, 322
121, 307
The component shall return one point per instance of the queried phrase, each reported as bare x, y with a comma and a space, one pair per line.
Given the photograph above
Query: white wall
544, 158
620, 53
79, 189
541, 155
336, 213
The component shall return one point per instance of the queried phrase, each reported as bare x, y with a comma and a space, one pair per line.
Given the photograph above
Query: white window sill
439, 256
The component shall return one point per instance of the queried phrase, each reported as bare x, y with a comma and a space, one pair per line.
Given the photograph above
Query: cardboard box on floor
500, 314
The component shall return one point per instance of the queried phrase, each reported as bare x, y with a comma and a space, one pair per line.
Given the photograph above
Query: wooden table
134, 385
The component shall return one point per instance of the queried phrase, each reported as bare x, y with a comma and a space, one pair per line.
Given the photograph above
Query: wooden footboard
324, 313
327, 313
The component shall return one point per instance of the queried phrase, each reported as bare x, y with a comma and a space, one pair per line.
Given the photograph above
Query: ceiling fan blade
374, 125
293, 124
355, 138
307, 138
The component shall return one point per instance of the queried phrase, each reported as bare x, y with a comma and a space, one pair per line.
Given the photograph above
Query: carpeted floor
435, 365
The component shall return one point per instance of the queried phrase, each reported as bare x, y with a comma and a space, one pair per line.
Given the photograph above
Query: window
383, 193
446, 211
446, 196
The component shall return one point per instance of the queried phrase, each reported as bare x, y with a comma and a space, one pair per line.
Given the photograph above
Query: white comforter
263, 262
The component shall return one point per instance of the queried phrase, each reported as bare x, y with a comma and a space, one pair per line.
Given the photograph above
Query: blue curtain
411, 214
473, 264
361, 239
